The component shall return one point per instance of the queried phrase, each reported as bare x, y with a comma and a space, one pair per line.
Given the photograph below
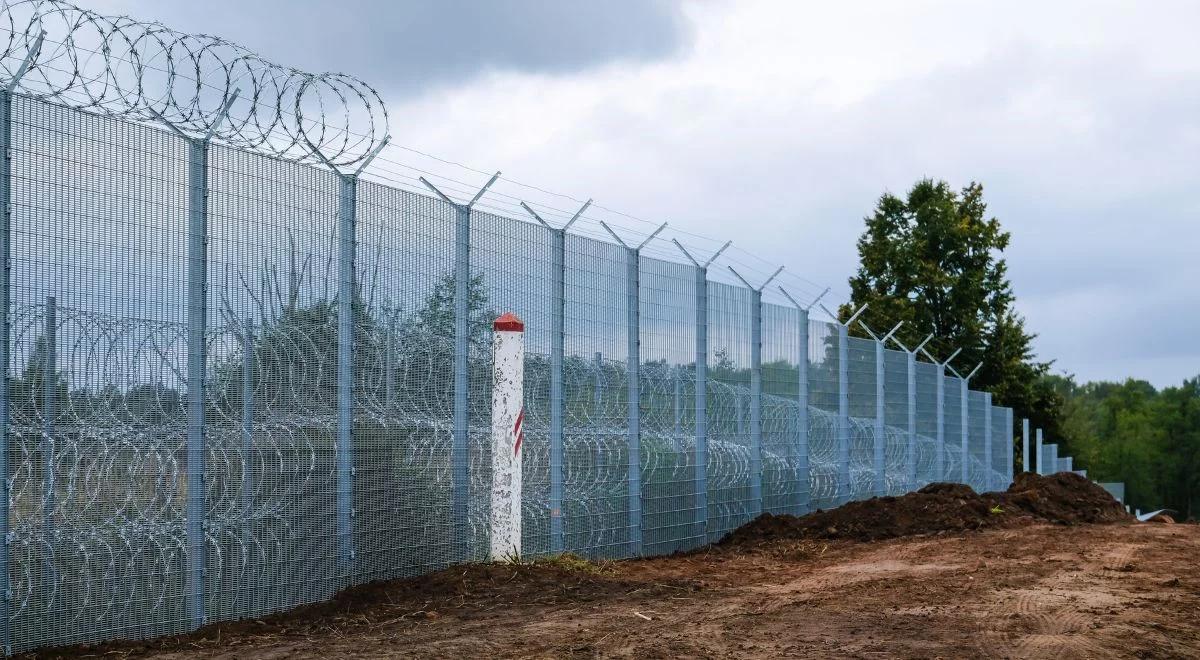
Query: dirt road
1095, 591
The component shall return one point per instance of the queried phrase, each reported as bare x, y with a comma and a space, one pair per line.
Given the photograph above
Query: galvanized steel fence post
803, 468
700, 514
633, 383
197, 327
1040, 453
843, 427
558, 266
879, 446
910, 450
880, 427
939, 461
1026, 463
964, 454
843, 486
197, 323
964, 418
460, 455
756, 471
345, 368
988, 478
197, 258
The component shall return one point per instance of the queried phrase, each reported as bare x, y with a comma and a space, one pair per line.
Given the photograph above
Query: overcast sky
778, 124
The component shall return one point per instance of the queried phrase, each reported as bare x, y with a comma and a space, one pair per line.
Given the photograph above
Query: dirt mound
542, 583
1063, 498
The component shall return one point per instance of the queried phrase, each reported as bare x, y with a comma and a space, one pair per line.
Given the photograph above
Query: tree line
933, 258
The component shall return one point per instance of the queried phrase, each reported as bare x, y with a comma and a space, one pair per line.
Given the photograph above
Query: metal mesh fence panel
272, 359
952, 430
785, 465
1002, 442
596, 500
823, 414
729, 480
97, 394
405, 385
668, 402
927, 423
976, 428
862, 373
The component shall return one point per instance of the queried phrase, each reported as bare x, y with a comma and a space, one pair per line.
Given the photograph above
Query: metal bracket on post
940, 455
6, 177
30, 56
844, 487
557, 333
700, 477
880, 443
633, 375
460, 466
756, 472
801, 463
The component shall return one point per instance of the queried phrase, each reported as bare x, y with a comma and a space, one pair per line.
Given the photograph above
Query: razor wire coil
116, 65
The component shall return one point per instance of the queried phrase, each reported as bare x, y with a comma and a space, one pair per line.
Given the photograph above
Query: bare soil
1018, 586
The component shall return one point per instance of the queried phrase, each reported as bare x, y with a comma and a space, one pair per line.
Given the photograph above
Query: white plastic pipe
508, 415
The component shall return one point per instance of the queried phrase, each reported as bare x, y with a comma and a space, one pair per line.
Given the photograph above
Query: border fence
239, 379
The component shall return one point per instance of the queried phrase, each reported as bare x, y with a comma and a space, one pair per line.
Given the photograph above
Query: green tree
933, 260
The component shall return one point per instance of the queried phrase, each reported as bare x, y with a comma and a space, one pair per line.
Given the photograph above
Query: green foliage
1130, 432
933, 261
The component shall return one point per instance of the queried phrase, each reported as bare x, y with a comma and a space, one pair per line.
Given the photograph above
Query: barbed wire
121, 66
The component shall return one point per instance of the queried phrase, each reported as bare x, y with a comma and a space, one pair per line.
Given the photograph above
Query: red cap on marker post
508, 322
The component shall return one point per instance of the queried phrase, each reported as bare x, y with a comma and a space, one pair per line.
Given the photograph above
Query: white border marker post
508, 416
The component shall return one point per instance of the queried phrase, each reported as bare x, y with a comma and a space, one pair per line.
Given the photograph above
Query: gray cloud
404, 48
778, 125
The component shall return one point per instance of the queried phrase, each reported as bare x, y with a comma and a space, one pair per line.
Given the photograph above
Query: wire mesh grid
978, 466
1003, 438
823, 418
785, 458
952, 430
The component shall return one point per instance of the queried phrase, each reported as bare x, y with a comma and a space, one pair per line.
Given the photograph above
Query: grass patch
569, 561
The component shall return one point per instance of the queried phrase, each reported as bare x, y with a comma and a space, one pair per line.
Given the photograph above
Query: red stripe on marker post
517, 431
